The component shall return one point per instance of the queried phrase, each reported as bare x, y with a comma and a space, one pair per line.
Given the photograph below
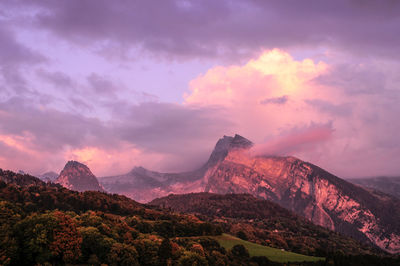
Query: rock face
299, 186
77, 176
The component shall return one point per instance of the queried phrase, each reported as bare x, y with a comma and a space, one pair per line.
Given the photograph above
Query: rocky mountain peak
77, 176
240, 142
225, 145
75, 164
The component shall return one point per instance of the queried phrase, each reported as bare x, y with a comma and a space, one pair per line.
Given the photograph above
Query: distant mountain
388, 185
77, 176
299, 186
48, 176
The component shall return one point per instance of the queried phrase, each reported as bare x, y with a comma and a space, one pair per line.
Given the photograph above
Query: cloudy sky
117, 84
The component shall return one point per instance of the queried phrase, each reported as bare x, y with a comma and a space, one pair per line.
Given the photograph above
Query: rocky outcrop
308, 190
77, 176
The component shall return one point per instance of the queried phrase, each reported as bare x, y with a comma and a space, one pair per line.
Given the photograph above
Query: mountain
263, 222
299, 186
143, 185
48, 176
388, 185
77, 176
47, 224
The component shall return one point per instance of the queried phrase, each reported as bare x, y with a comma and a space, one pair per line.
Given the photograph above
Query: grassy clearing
273, 254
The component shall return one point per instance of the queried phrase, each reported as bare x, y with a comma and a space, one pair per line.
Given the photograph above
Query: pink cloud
275, 97
296, 140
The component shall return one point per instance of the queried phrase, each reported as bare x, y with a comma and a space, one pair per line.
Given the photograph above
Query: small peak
49, 176
240, 142
137, 169
73, 164
226, 144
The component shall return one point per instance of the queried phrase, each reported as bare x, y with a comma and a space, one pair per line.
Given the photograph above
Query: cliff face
299, 186
306, 189
77, 176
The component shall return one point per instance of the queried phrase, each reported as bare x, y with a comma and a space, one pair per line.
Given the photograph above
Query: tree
9, 216
122, 254
67, 240
148, 251
240, 251
192, 259
164, 251
93, 242
242, 235
34, 235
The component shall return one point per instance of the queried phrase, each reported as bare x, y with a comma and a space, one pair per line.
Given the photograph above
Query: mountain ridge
307, 189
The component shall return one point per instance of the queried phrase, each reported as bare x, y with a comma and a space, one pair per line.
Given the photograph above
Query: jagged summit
77, 176
73, 164
240, 142
226, 144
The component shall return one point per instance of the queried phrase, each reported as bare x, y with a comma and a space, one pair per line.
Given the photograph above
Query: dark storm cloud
156, 127
57, 79
209, 28
52, 129
12, 52
14, 56
101, 85
355, 79
330, 108
277, 100
171, 128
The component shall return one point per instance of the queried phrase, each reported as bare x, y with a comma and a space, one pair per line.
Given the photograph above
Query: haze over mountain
386, 184
48, 176
302, 187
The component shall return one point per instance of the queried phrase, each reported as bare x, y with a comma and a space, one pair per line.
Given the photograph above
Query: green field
273, 254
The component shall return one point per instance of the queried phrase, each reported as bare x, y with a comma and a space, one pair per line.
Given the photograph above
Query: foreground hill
47, 224
263, 222
299, 186
388, 185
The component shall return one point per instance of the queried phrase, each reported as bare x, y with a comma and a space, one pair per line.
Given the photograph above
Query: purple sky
117, 84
